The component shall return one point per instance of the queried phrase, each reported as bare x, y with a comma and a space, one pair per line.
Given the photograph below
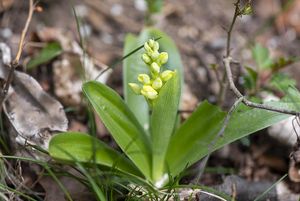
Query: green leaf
134, 65
121, 123
282, 63
48, 53
163, 120
193, 140
293, 95
250, 78
261, 56
80, 147
154, 6
282, 81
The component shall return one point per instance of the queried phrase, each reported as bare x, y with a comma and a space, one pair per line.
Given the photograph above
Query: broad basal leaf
194, 139
163, 120
121, 123
83, 148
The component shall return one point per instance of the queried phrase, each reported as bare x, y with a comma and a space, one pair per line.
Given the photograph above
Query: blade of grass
270, 188
6, 188
81, 42
48, 169
97, 190
95, 187
61, 186
114, 64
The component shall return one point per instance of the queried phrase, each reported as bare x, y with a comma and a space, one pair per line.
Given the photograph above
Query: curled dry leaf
32, 112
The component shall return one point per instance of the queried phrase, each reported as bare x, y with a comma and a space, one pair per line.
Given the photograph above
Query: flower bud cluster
151, 84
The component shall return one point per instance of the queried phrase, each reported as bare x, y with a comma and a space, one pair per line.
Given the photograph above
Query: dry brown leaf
32, 112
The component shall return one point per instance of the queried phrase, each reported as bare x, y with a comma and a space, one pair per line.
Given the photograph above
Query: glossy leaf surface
83, 148
121, 123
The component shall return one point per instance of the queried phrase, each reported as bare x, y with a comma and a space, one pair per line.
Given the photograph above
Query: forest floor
198, 28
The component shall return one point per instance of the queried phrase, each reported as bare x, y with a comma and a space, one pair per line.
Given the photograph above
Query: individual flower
135, 88
144, 78
157, 83
149, 92
162, 58
155, 68
166, 75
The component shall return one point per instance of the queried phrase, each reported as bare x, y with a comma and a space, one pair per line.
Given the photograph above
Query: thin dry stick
224, 84
214, 141
24, 31
228, 60
236, 14
15, 63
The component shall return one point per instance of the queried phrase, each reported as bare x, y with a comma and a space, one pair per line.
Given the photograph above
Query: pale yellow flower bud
154, 55
149, 92
157, 83
155, 68
146, 58
166, 75
144, 78
155, 46
163, 58
151, 43
135, 88
147, 48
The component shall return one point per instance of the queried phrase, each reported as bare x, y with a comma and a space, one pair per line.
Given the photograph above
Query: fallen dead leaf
32, 113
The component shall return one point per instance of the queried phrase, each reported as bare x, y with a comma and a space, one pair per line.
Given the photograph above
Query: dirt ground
198, 28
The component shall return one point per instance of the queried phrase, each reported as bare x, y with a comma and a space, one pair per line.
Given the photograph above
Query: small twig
226, 121
236, 14
224, 85
214, 141
223, 89
24, 31
217, 74
228, 74
15, 63
121, 59
228, 60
